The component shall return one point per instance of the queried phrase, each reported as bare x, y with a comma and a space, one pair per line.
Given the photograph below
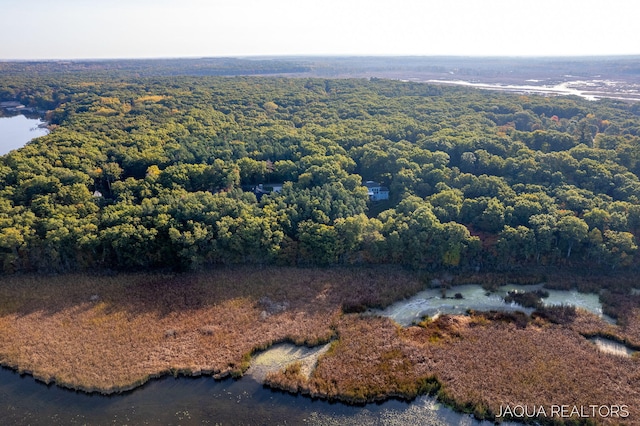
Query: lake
16, 131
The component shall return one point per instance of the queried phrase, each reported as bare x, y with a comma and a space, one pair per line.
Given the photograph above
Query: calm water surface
613, 347
202, 400
431, 303
16, 131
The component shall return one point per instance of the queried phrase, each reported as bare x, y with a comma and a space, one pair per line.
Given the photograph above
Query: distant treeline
118, 68
159, 171
552, 69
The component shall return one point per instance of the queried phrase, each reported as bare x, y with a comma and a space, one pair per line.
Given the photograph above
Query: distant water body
16, 131
590, 89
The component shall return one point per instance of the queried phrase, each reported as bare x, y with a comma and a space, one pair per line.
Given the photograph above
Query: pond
16, 131
431, 303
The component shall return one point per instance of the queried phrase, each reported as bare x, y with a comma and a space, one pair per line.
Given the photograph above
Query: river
17, 130
588, 89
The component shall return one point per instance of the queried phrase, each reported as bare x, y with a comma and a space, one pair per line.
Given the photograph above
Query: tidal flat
109, 334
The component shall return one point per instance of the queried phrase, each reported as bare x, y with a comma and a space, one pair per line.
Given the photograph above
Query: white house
266, 188
270, 187
376, 192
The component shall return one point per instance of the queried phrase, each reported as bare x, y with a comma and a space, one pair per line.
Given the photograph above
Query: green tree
572, 231
492, 218
621, 247
516, 244
319, 243
545, 227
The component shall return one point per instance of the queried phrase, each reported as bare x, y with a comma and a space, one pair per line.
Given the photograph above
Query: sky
85, 29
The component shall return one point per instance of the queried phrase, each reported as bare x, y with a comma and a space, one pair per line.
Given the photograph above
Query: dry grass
583, 279
113, 333
369, 362
499, 363
477, 364
492, 280
631, 328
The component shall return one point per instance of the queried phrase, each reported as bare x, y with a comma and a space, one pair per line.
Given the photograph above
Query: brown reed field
112, 333
477, 364
109, 334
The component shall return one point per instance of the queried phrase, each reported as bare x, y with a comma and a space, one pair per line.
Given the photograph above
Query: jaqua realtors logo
564, 411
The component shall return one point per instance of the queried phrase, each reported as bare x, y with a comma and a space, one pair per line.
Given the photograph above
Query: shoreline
214, 323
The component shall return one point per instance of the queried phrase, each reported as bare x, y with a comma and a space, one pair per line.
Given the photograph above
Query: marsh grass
582, 279
475, 363
557, 314
112, 333
492, 280
501, 363
369, 362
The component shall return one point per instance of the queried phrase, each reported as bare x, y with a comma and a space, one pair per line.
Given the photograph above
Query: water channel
202, 400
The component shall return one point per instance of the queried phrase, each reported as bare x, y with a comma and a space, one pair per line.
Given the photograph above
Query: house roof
371, 184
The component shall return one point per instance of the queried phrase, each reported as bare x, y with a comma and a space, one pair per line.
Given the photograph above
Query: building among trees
376, 192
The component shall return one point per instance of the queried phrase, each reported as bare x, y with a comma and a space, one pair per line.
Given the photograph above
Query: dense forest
162, 171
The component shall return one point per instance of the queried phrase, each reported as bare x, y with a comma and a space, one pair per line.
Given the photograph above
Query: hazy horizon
163, 29
310, 56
